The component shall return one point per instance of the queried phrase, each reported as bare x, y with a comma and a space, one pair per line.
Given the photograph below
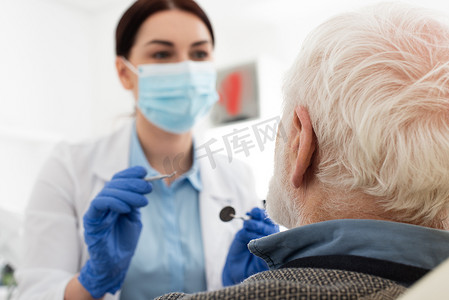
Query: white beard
280, 203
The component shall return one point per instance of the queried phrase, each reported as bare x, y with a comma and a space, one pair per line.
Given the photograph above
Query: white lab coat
54, 248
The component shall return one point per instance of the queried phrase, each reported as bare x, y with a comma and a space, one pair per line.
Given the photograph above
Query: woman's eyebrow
162, 42
171, 44
199, 43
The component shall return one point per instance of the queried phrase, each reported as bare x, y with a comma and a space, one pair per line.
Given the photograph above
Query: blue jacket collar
398, 242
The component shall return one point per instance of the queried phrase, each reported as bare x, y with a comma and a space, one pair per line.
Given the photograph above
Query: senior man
361, 175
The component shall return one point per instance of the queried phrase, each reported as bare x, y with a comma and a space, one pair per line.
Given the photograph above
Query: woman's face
169, 36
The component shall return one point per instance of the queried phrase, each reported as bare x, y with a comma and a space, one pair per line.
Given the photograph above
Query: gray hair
376, 85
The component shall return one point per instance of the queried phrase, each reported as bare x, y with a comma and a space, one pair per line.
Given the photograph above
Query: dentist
94, 227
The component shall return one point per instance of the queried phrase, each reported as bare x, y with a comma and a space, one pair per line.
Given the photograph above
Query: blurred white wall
46, 78
58, 79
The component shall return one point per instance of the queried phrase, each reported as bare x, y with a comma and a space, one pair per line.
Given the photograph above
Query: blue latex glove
240, 263
111, 230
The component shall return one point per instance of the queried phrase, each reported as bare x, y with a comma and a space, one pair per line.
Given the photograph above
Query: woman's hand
240, 263
111, 231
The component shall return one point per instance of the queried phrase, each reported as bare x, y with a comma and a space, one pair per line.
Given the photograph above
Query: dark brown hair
137, 13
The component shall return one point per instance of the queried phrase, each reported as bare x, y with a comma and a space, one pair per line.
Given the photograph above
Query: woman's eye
200, 55
161, 55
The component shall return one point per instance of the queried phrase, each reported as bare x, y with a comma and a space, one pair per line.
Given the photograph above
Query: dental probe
160, 177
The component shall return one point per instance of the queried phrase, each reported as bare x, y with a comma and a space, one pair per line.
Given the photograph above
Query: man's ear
304, 144
124, 74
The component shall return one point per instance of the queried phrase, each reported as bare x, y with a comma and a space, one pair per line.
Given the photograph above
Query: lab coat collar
216, 190
115, 156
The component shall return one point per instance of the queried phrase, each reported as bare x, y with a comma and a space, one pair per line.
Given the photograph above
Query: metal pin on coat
228, 213
160, 177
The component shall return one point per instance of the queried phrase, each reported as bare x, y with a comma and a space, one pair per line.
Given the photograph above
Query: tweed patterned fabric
304, 283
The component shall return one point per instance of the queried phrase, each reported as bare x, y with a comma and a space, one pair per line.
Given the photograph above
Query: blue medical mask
173, 96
